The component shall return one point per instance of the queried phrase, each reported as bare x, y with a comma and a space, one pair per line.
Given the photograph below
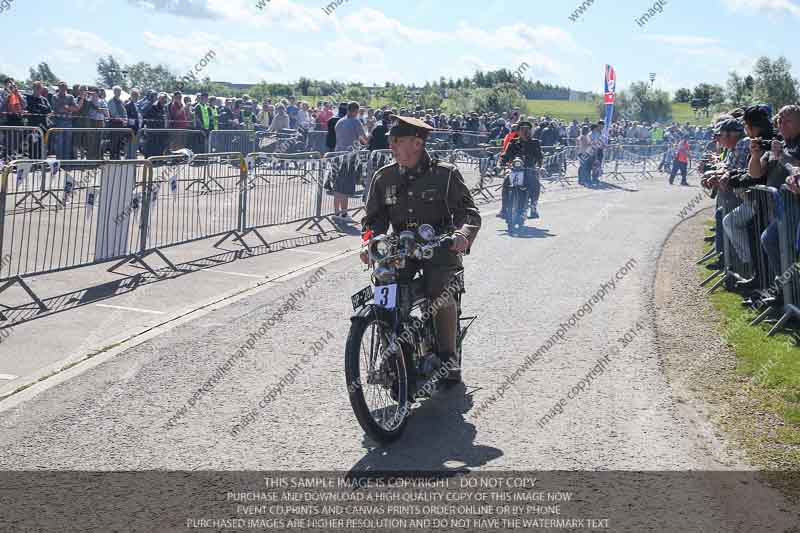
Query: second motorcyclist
530, 150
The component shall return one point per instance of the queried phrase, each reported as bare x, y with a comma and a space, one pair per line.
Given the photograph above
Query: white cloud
234, 60
379, 30
519, 37
681, 40
283, 14
185, 8
77, 48
775, 7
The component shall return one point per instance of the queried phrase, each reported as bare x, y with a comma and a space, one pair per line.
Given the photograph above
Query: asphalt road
132, 412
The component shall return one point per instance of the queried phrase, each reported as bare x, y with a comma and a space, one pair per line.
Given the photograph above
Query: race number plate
386, 296
517, 178
361, 298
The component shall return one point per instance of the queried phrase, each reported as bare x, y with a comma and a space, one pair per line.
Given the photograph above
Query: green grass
569, 111
772, 364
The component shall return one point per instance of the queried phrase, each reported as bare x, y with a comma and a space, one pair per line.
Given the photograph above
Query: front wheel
377, 379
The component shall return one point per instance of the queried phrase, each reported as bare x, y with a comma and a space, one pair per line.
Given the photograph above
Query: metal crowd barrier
59, 215
94, 144
193, 198
156, 142
788, 216
281, 189
21, 142
745, 257
242, 141
63, 214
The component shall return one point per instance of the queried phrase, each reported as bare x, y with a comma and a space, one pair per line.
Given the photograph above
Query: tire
360, 331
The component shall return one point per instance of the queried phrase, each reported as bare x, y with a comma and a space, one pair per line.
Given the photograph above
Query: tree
43, 73
715, 94
773, 83
303, 85
110, 73
430, 99
145, 76
682, 95
642, 104
499, 99
740, 92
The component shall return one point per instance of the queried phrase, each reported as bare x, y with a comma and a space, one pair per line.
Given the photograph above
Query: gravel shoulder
725, 410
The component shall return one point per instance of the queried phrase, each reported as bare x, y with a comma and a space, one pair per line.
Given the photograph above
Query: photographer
736, 151
775, 168
758, 127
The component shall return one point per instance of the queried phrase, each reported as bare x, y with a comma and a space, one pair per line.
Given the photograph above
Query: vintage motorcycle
516, 190
390, 359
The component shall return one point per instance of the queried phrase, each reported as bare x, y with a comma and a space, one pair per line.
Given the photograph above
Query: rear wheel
377, 380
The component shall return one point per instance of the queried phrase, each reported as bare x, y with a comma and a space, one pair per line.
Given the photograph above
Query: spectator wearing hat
735, 155
757, 126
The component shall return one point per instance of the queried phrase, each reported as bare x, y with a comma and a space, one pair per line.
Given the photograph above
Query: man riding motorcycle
417, 190
530, 150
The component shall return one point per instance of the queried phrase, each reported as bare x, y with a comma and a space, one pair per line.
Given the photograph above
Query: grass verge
766, 394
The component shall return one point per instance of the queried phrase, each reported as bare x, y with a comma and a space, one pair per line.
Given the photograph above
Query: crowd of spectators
91, 107
750, 148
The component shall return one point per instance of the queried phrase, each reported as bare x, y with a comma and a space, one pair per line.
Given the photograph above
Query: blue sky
374, 41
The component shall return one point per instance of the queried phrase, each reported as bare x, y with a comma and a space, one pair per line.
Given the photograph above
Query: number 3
384, 296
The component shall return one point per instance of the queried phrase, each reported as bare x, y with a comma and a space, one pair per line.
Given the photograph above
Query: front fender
364, 313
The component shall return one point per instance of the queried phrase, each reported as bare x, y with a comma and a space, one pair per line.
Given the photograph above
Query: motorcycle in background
517, 196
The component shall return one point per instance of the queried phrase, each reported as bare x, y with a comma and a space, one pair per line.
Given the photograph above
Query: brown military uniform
431, 193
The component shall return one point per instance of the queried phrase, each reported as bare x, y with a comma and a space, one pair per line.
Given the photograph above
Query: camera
766, 144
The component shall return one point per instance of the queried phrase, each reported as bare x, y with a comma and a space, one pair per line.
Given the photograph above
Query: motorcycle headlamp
427, 233
408, 241
378, 248
517, 163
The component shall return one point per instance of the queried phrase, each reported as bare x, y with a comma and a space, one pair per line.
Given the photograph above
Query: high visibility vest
214, 118
247, 117
204, 116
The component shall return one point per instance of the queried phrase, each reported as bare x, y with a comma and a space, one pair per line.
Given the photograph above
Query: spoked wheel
377, 380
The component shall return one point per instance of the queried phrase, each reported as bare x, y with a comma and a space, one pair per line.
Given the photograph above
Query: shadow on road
437, 439
129, 282
528, 233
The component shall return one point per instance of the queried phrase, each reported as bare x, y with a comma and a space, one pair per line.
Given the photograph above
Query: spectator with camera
773, 167
759, 128
735, 156
13, 104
